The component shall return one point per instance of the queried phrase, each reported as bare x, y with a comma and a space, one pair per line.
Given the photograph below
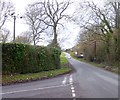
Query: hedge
20, 58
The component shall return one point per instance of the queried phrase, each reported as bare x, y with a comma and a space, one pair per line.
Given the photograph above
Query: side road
86, 82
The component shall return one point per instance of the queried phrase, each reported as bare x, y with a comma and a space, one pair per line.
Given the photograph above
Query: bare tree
104, 22
24, 38
6, 8
116, 7
110, 27
33, 13
54, 11
4, 35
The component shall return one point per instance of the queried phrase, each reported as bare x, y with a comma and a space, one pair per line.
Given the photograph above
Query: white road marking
72, 88
73, 91
64, 81
73, 94
70, 79
35, 89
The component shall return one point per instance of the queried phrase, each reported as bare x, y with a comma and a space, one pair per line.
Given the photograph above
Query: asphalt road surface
86, 82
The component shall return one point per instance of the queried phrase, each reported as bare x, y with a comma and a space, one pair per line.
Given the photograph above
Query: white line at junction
34, 89
64, 81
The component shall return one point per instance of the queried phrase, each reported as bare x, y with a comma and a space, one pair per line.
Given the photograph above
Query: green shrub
56, 57
20, 58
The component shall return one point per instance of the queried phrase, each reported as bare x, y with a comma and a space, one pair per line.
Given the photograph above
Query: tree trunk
54, 42
34, 38
116, 7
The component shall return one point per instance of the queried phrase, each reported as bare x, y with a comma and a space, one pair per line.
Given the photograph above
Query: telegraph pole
14, 24
14, 28
95, 50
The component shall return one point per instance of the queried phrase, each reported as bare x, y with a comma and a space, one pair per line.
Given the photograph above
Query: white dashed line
73, 94
64, 81
72, 87
71, 83
73, 91
70, 79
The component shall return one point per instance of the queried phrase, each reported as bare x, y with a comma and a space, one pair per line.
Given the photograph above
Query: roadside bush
20, 58
56, 57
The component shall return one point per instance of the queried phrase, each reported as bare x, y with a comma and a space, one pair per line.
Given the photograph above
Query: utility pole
95, 50
14, 28
14, 24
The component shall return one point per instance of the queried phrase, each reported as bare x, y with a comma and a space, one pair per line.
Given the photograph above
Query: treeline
95, 49
21, 59
100, 38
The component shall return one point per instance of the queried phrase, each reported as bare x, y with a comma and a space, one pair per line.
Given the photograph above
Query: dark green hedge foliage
20, 58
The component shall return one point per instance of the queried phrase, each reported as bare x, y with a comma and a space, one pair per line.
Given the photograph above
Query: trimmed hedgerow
20, 58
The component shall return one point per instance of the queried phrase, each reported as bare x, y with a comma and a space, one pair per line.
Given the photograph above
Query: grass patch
8, 79
17, 78
63, 59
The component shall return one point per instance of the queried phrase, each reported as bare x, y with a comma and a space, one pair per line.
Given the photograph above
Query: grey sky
20, 6
72, 29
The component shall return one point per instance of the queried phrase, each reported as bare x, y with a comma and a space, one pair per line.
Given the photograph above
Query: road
86, 82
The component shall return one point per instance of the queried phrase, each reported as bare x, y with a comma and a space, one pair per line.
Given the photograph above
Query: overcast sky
20, 5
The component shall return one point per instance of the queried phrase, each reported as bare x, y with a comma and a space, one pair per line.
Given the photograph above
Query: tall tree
116, 7
33, 13
54, 11
6, 8
106, 20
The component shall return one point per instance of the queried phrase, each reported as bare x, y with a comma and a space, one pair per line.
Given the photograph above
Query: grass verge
63, 59
20, 78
